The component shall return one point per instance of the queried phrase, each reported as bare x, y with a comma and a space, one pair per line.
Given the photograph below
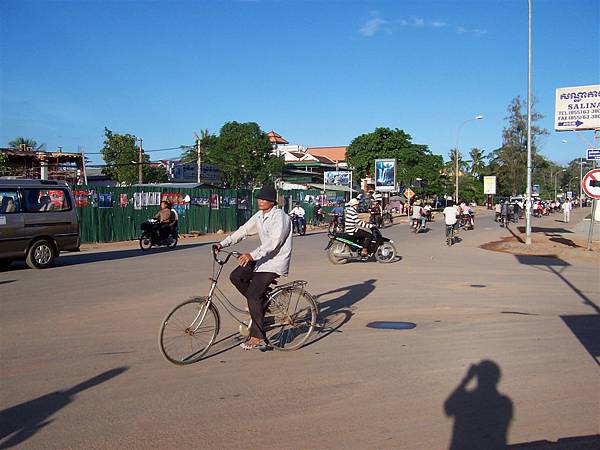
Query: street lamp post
555, 180
457, 154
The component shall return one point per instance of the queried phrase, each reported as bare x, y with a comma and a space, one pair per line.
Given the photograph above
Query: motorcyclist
427, 211
376, 210
504, 211
337, 217
318, 214
359, 229
165, 218
417, 215
298, 220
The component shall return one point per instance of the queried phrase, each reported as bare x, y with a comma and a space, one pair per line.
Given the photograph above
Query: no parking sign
591, 183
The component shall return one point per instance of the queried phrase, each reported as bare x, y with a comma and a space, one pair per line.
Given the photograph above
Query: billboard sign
489, 185
535, 190
385, 175
593, 154
338, 178
577, 108
188, 173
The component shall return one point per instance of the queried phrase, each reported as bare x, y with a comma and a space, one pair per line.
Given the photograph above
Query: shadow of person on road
481, 415
336, 312
22, 421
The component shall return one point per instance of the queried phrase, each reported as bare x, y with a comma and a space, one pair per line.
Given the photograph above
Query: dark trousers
253, 286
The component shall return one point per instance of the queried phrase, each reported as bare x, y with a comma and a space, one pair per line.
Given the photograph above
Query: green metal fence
109, 214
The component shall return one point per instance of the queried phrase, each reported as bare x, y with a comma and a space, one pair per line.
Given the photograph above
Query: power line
180, 147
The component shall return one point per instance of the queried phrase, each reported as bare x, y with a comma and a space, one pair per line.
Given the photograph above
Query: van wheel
40, 255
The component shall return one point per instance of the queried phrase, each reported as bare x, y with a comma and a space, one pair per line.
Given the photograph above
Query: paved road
80, 365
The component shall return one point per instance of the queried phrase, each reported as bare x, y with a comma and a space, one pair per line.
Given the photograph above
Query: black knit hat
268, 193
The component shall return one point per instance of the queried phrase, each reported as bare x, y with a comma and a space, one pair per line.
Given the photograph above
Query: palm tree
28, 142
477, 162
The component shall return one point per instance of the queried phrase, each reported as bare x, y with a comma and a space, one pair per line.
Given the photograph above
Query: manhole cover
478, 285
392, 325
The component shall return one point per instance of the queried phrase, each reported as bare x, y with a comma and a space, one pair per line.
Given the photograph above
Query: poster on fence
123, 200
214, 201
137, 200
104, 200
81, 198
200, 201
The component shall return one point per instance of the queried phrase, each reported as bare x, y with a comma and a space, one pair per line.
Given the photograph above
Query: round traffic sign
591, 183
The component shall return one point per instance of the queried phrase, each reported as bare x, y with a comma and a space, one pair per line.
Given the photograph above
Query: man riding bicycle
259, 268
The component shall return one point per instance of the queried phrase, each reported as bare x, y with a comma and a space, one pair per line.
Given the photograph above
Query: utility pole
83, 165
140, 176
199, 151
529, 178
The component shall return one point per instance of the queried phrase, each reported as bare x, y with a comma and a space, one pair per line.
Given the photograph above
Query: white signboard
489, 185
577, 108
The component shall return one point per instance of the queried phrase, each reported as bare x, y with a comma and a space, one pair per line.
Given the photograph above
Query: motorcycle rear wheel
335, 250
385, 253
171, 242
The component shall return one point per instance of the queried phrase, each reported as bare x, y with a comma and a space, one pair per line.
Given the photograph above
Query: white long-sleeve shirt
275, 232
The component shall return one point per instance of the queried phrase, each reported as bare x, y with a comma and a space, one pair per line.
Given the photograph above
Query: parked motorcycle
298, 224
343, 248
151, 237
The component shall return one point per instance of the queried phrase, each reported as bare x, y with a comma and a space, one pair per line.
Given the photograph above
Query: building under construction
24, 162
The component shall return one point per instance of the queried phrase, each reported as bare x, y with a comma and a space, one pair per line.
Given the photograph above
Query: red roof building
276, 139
335, 154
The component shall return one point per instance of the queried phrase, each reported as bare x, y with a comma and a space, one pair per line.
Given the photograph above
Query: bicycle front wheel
188, 330
290, 318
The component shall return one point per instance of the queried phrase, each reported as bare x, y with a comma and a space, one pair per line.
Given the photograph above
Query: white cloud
438, 24
372, 26
472, 30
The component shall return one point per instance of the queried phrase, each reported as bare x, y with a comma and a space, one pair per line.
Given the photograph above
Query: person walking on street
259, 268
566, 207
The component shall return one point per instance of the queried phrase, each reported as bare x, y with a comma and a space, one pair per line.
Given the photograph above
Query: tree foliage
28, 142
413, 160
4, 167
511, 158
121, 155
242, 151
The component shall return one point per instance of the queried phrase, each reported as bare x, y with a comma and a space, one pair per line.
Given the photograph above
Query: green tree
28, 142
4, 167
208, 144
510, 160
477, 165
121, 155
414, 160
244, 154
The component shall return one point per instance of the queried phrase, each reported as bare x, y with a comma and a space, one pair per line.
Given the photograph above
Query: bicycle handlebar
224, 261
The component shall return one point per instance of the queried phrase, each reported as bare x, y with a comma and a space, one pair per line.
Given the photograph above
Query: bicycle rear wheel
290, 318
185, 336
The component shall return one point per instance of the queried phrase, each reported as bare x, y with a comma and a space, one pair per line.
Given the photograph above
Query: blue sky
318, 72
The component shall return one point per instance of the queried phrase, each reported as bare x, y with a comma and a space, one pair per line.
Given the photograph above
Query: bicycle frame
218, 295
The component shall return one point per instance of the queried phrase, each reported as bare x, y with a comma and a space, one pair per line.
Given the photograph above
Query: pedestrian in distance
566, 207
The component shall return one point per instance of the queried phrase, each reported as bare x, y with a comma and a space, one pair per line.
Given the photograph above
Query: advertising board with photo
385, 175
338, 178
